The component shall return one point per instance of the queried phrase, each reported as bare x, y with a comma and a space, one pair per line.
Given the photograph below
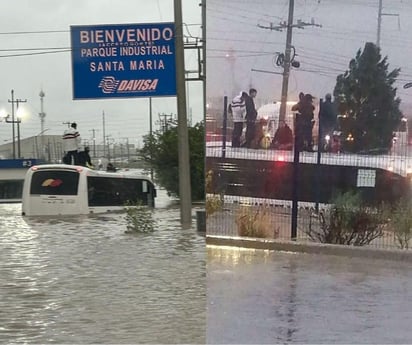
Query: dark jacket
327, 115
251, 112
84, 159
283, 135
305, 109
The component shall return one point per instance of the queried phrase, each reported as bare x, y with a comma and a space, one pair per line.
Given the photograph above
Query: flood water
84, 280
257, 297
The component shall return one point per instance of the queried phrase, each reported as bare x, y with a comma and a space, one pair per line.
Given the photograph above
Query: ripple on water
271, 297
84, 280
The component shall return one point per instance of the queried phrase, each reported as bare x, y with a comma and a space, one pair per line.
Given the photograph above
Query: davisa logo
110, 84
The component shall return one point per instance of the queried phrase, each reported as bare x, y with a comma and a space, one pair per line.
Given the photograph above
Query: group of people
74, 154
304, 122
242, 109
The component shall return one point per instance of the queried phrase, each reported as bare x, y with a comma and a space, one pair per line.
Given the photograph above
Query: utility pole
107, 137
42, 116
15, 101
287, 56
104, 136
378, 36
12, 124
183, 135
164, 121
203, 63
150, 133
18, 127
127, 148
150, 117
380, 14
94, 141
286, 67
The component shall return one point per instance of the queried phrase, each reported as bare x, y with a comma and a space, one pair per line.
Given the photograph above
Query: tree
160, 150
365, 94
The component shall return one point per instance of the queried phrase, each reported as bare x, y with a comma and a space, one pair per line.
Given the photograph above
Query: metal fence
290, 195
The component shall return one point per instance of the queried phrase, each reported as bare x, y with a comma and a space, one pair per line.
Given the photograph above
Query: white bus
60, 189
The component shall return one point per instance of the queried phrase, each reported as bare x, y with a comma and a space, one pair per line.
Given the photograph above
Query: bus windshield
54, 182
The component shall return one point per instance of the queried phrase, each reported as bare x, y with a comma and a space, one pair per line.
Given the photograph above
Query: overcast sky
29, 27
323, 52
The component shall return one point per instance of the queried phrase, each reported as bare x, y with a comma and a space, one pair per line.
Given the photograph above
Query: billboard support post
183, 140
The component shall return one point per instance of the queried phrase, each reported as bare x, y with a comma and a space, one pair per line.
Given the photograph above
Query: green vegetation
214, 202
400, 222
366, 97
139, 218
348, 221
160, 151
255, 222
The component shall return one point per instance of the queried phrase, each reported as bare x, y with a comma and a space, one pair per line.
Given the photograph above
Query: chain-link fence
321, 195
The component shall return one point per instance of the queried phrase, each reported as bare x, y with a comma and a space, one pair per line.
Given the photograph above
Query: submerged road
261, 297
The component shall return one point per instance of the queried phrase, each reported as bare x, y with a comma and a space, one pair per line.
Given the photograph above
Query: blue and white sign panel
127, 60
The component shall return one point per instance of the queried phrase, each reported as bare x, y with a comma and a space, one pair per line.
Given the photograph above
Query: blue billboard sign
125, 60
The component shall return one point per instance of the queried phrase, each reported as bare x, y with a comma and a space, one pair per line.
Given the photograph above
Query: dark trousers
237, 133
307, 136
72, 157
303, 132
250, 132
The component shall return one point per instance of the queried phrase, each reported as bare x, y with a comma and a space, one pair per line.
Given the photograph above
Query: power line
37, 53
236, 8
32, 32
25, 49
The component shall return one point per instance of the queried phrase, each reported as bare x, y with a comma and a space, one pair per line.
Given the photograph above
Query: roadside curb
310, 248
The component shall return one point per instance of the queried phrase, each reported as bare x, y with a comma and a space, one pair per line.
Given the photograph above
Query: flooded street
83, 280
257, 297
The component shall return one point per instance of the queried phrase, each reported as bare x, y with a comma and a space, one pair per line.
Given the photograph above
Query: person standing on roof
304, 122
72, 144
238, 111
251, 115
327, 115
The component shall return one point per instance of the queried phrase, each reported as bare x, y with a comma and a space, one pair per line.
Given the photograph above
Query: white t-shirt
71, 140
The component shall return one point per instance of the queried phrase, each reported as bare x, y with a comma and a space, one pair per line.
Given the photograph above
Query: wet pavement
262, 297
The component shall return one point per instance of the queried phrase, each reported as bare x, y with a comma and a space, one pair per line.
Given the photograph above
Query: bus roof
121, 173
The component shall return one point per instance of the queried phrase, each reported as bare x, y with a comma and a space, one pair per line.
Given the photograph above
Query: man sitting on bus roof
84, 158
283, 139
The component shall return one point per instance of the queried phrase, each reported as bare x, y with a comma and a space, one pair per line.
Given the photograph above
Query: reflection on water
83, 280
259, 297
